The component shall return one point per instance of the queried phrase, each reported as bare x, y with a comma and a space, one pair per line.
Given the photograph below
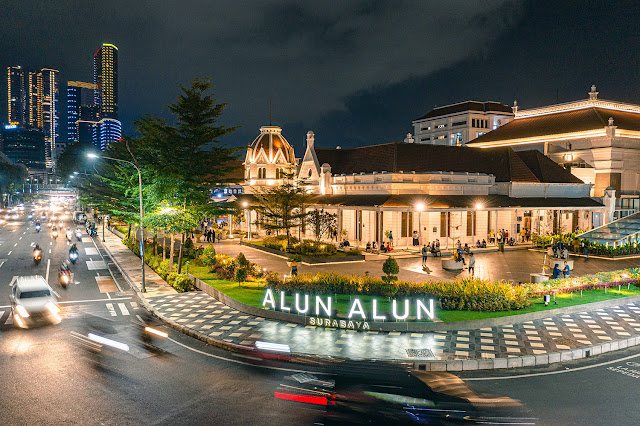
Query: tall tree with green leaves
187, 156
281, 207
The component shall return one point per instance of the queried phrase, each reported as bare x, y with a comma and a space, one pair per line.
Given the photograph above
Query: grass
564, 300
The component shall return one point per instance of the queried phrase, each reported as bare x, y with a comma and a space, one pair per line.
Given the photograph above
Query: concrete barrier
451, 265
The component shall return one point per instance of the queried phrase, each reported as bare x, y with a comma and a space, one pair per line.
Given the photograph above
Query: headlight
22, 311
53, 308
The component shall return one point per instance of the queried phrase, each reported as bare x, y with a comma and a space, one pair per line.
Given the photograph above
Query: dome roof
272, 141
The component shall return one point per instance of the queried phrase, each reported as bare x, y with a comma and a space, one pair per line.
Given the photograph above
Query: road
47, 378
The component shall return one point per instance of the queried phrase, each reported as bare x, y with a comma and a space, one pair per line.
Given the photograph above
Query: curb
432, 365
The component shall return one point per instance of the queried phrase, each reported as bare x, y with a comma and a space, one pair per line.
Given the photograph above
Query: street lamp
419, 208
247, 215
92, 155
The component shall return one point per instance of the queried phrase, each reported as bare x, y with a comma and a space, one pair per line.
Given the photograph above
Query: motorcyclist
38, 226
73, 249
37, 254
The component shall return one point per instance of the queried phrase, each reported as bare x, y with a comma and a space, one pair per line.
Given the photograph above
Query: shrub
390, 268
208, 257
182, 282
241, 275
242, 261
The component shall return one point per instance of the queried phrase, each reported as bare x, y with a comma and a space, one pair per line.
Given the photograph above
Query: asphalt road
47, 378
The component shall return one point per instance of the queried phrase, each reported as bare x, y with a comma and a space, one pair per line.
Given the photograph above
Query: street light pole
91, 155
420, 208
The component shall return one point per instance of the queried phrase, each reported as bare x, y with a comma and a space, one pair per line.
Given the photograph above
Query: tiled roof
444, 201
545, 169
488, 106
504, 163
579, 120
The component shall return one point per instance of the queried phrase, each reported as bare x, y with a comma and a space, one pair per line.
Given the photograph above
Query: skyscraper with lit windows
81, 111
105, 132
105, 75
15, 95
48, 111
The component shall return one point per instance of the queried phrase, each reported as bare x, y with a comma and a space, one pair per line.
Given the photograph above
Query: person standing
416, 243
585, 249
425, 255
390, 239
294, 268
472, 265
566, 271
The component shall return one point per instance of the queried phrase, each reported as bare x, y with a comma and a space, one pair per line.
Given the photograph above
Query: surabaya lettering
400, 309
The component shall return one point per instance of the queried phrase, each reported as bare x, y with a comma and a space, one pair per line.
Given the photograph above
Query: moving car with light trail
33, 301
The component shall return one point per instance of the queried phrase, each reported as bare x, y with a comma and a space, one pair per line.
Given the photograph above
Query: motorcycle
79, 235
37, 256
54, 234
37, 228
64, 277
73, 257
69, 236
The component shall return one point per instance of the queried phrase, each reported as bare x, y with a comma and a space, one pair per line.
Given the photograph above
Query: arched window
310, 172
280, 173
262, 173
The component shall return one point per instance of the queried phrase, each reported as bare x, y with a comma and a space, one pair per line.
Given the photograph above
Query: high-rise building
31, 104
23, 145
105, 75
105, 132
15, 95
81, 111
48, 112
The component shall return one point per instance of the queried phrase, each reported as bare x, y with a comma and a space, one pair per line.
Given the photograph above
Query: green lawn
564, 300
252, 294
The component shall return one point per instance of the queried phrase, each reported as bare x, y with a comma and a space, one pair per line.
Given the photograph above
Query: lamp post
92, 155
247, 215
419, 208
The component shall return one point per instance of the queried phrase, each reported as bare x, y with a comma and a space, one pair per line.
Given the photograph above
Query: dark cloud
355, 72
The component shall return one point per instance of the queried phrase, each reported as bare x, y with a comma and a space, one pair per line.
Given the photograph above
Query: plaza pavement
202, 313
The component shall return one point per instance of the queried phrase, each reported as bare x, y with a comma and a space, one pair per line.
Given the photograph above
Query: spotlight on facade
420, 207
479, 206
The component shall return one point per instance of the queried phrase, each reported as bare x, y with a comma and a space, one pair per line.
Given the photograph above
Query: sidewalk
552, 339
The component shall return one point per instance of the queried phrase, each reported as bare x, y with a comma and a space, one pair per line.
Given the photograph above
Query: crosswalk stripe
112, 311
123, 308
9, 320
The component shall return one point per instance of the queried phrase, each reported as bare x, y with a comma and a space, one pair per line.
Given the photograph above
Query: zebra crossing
122, 309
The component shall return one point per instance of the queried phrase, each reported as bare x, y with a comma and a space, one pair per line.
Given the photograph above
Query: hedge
600, 280
466, 294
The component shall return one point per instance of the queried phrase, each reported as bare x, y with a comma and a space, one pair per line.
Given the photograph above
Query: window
441, 126
458, 123
441, 137
262, 173
425, 139
457, 138
471, 223
407, 224
310, 172
473, 122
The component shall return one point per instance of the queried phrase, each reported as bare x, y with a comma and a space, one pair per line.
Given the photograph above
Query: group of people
206, 226
560, 250
561, 273
372, 247
433, 248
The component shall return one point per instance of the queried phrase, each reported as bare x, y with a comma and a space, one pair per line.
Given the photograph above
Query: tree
390, 268
74, 159
11, 176
282, 207
187, 157
322, 222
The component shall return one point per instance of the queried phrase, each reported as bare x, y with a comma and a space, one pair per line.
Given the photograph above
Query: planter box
307, 259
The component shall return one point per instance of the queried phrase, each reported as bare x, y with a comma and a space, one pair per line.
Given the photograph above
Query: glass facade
105, 75
105, 132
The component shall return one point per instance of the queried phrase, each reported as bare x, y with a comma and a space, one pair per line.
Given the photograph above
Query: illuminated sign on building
400, 310
10, 126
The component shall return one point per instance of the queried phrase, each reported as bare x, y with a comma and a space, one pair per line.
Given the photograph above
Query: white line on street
108, 295
2, 262
112, 311
242, 362
139, 318
9, 254
49, 251
20, 238
548, 373
51, 242
69, 302
32, 244
48, 264
123, 308
17, 243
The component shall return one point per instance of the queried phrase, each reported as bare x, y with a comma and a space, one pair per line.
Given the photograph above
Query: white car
32, 300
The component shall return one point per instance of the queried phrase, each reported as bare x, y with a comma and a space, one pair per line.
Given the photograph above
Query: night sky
354, 72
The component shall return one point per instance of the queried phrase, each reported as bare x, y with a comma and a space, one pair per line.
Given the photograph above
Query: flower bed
573, 242
600, 280
472, 294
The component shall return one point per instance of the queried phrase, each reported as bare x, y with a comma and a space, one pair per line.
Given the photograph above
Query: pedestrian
425, 255
566, 271
294, 268
556, 271
565, 254
585, 249
415, 239
390, 238
472, 264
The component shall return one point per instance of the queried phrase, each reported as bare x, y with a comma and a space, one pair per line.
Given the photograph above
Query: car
33, 301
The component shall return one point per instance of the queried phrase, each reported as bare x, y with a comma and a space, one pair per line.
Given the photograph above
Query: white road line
32, 244
2, 262
548, 373
48, 265
17, 243
9, 320
236, 361
108, 296
49, 251
112, 311
20, 238
9, 254
1, 314
51, 242
139, 318
68, 302
123, 308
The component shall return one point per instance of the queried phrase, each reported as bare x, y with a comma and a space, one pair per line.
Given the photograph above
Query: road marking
33, 244
9, 320
19, 238
9, 254
2, 262
48, 265
49, 251
236, 361
123, 308
549, 373
68, 302
108, 296
51, 242
15, 277
112, 311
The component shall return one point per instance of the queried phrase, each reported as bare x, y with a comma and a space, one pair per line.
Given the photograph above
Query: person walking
294, 268
472, 265
425, 255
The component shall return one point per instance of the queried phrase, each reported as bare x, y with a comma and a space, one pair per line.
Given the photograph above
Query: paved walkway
514, 265
201, 312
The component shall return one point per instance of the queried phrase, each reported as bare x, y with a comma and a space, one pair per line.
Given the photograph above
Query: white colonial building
457, 124
598, 140
442, 192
